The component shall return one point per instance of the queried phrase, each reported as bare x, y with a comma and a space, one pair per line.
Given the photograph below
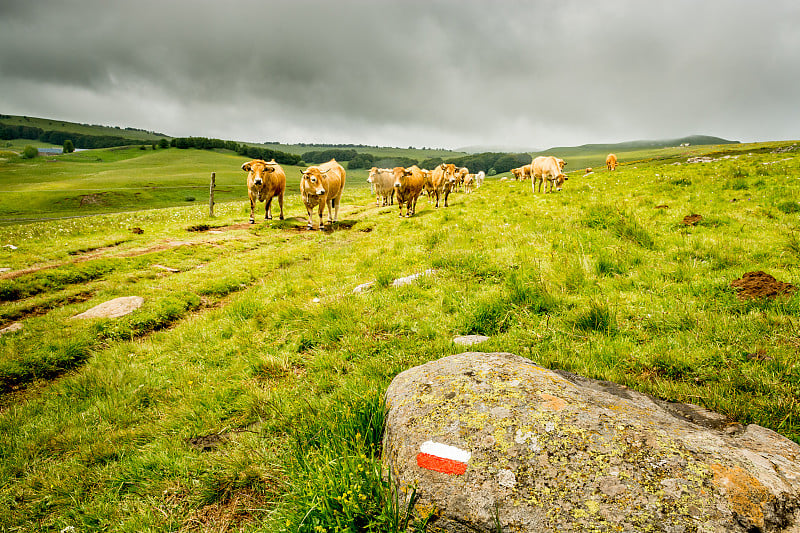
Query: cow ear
246, 167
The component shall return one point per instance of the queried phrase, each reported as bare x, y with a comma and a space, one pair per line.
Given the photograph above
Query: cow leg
337, 201
310, 218
268, 209
252, 211
322, 212
391, 198
280, 202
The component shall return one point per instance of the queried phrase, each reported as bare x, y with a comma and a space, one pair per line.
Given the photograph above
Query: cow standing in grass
444, 180
383, 181
408, 183
547, 169
427, 175
611, 162
322, 186
264, 182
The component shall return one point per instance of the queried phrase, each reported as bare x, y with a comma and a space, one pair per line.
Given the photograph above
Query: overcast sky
436, 73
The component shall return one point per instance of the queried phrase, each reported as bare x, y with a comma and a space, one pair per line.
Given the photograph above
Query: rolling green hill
83, 129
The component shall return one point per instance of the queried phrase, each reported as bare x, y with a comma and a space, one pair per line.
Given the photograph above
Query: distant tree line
58, 137
253, 152
204, 143
499, 162
323, 156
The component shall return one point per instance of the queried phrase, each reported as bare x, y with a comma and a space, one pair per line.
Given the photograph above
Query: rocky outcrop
490, 438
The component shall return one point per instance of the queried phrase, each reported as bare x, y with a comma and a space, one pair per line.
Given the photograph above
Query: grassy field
245, 394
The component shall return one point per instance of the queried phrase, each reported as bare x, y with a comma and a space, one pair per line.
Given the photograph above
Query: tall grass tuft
597, 317
489, 316
530, 294
793, 244
335, 473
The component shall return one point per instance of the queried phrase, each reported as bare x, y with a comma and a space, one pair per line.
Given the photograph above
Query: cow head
372, 172
559, 181
399, 174
313, 180
449, 172
258, 171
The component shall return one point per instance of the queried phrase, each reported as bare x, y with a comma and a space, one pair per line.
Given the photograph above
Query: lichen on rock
557, 452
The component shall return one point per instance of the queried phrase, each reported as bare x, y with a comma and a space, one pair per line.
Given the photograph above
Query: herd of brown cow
321, 186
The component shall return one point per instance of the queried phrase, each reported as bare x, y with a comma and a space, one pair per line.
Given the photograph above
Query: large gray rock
547, 451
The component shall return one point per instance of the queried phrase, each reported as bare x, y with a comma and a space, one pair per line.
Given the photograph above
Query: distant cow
264, 182
461, 175
527, 172
322, 186
428, 186
408, 183
444, 180
548, 169
383, 181
611, 162
469, 183
517, 173
479, 178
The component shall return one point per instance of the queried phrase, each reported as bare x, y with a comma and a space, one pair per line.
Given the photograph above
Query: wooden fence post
211, 195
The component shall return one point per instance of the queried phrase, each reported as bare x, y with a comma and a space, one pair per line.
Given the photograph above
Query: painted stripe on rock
443, 458
439, 464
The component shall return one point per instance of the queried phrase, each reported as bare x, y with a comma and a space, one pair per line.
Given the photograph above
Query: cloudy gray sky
439, 73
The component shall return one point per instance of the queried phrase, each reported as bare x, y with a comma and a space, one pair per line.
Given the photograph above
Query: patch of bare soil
207, 443
759, 284
692, 220
662, 206
237, 510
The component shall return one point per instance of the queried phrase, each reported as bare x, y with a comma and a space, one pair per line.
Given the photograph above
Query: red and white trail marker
443, 458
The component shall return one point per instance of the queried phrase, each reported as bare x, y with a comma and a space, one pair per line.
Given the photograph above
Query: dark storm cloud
433, 73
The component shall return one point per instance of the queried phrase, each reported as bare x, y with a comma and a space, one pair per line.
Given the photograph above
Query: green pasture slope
125, 179
245, 394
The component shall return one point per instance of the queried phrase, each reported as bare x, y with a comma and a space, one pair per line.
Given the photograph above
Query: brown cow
408, 184
547, 169
461, 175
383, 181
611, 162
264, 182
428, 187
322, 186
444, 179
527, 172
517, 173
469, 183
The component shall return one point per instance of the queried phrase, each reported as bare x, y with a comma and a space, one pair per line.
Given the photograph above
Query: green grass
258, 345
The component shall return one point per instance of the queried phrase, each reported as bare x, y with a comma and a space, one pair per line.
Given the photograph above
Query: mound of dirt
760, 285
692, 220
